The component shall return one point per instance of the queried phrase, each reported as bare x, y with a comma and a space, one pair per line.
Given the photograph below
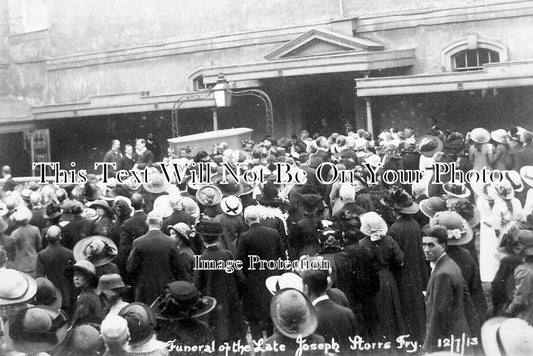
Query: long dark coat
266, 243
412, 278
445, 310
76, 230
227, 319
390, 319
132, 228
152, 264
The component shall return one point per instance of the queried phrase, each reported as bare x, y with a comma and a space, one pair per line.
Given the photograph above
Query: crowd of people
165, 266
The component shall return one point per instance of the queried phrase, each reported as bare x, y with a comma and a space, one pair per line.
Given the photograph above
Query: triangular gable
321, 42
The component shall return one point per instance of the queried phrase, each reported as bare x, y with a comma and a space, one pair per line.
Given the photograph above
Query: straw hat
482, 190
98, 250
516, 181
503, 190
459, 232
16, 287
231, 205
526, 173
293, 313
502, 336
208, 195
157, 184
286, 280
499, 136
480, 135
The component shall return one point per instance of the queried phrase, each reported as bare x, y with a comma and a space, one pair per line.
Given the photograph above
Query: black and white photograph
266, 177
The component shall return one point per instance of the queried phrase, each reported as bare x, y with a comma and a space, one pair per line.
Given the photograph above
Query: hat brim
179, 233
305, 327
272, 283
413, 209
31, 348
106, 207
54, 215
56, 303
466, 238
466, 194
209, 304
82, 244
30, 292
70, 269
216, 181
439, 147
489, 337
158, 189
201, 199
425, 210
526, 173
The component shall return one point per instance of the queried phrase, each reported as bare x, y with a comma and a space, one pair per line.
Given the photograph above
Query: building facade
75, 76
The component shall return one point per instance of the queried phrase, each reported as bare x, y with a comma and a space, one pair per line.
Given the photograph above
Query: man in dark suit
334, 321
143, 157
51, 263
524, 156
79, 228
264, 243
153, 261
445, 296
132, 228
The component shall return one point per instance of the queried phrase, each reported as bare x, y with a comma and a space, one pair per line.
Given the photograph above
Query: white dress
488, 242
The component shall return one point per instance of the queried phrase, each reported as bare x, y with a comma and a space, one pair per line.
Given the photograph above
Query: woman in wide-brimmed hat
100, 251
104, 220
480, 151
507, 208
181, 233
498, 158
89, 306
406, 232
390, 257
178, 311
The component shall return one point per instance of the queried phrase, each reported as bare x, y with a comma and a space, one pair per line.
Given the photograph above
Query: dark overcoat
152, 264
266, 243
445, 310
335, 322
227, 319
412, 278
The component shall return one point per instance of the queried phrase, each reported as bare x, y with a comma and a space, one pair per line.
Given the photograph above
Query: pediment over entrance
322, 42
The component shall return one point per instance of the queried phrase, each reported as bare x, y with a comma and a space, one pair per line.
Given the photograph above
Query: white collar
319, 299
433, 264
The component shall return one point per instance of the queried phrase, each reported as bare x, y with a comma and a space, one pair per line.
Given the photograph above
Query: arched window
473, 59
471, 54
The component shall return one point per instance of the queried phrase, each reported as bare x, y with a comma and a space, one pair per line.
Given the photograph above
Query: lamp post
223, 94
